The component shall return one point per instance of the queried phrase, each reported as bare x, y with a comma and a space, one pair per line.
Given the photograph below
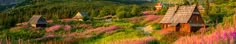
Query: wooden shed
37, 21
80, 16
183, 18
158, 6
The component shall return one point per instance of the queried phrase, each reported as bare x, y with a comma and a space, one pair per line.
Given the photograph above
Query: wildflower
151, 17
67, 27
50, 36
86, 26
53, 28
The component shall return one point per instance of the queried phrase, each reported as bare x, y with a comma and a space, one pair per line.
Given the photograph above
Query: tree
134, 10
102, 13
207, 7
120, 12
175, 2
93, 13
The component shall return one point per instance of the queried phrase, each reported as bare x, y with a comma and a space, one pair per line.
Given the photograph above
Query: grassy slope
59, 9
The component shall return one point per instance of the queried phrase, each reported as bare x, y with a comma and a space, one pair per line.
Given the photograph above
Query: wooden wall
185, 27
167, 27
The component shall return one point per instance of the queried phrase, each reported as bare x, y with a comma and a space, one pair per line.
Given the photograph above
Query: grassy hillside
65, 9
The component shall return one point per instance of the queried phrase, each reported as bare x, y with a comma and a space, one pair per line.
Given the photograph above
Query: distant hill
7, 2
10, 2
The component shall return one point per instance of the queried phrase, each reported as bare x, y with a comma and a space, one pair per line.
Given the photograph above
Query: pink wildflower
151, 17
86, 26
67, 27
50, 36
135, 19
221, 34
53, 28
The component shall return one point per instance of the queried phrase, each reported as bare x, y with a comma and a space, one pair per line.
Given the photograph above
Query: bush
156, 26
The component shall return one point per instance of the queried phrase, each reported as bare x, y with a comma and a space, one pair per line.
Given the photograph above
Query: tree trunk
207, 7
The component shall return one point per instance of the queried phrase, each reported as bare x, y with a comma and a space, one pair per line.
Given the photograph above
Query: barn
37, 21
185, 18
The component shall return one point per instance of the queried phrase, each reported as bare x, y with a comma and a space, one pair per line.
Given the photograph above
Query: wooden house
37, 21
183, 18
80, 16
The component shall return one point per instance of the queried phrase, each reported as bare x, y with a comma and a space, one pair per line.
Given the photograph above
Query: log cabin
37, 21
185, 18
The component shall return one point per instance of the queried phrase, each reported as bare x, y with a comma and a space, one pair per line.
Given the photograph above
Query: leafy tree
102, 13
120, 12
175, 2
93, 13
134, 10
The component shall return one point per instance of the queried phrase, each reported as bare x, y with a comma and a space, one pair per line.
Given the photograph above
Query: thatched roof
182, 15
37, 19
80, 15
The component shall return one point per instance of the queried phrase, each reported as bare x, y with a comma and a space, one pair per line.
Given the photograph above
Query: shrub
23, 34
157, 26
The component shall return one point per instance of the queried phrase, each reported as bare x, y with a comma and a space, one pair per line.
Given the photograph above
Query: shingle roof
182, 15
174, 24
36, 19
169, 14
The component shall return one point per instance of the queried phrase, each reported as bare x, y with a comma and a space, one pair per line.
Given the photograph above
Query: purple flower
233, 34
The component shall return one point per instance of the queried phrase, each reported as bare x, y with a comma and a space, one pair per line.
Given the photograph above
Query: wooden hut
158, 6
37, 21
183, 18
80, 16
